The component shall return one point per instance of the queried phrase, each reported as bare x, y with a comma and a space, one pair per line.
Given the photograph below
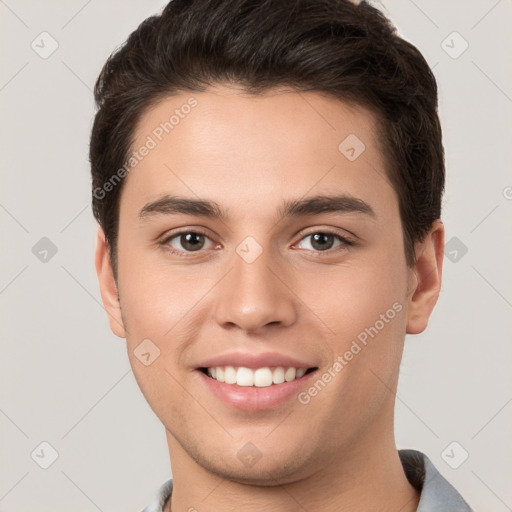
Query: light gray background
65, 378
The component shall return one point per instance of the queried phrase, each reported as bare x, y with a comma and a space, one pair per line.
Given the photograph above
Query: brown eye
323, 241
191, 241
186, 242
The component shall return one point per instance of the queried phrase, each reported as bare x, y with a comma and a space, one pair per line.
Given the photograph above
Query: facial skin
249, 154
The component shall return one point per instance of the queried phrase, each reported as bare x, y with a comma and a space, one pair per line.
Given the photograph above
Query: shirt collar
437, 494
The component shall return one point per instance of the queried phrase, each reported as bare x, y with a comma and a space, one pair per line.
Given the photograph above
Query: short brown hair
348, 50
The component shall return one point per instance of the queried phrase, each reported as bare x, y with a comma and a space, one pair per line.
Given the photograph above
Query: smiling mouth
257, 377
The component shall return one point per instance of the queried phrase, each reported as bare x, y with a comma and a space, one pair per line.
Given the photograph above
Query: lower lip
251, 398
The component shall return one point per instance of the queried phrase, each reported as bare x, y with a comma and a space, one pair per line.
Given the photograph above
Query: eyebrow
316, 205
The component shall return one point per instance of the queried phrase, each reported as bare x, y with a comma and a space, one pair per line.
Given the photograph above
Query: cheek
365, 307
353, 298
157, 311
367, 313
164, 305
152, 297
161, 388
151, 308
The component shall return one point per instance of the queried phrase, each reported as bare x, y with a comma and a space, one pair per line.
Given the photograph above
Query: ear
425, 279
108, 286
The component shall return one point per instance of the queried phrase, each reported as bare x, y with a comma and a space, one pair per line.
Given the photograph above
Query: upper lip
253, 361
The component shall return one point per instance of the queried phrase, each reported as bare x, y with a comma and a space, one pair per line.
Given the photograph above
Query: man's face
258, 284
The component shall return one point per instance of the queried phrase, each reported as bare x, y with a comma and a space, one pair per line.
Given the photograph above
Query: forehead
296, 116
227, 143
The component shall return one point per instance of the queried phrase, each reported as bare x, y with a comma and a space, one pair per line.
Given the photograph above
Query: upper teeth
261, 377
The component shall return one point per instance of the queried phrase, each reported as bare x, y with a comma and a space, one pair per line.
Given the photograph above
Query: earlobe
426, 277
108, 286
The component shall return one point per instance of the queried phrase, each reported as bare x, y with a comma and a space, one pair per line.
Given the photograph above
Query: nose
254, 296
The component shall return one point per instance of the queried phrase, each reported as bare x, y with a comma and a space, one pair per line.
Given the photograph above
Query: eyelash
165, 242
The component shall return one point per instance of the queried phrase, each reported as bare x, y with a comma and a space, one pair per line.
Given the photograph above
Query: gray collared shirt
437, 494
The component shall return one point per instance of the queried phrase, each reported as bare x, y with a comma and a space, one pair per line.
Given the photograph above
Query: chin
249, 466
268, 475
